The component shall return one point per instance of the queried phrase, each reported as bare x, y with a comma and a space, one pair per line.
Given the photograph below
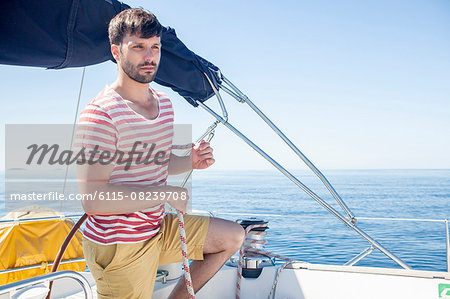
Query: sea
401, 209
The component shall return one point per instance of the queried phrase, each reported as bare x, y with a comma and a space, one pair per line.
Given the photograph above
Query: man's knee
224, 235
235, 237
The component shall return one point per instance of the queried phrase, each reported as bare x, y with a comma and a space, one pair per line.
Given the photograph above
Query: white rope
241, 258
275, 282
187, 272
182, 230
247, 249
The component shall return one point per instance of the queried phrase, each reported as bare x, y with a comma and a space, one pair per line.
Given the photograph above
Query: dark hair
133, 21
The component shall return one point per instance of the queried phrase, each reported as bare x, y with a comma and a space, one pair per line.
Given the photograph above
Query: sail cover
58, 34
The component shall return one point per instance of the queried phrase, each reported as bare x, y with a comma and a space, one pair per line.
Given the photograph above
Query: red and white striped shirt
109, 124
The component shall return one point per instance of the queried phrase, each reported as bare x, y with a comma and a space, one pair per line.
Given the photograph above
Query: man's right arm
93, 179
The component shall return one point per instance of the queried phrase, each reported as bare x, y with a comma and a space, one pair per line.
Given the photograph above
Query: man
125, 240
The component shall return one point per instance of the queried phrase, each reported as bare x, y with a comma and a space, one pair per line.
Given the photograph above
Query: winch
252, 263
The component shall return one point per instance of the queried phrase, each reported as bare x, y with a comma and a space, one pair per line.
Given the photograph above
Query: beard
132, 71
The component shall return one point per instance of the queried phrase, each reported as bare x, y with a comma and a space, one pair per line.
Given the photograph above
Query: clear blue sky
355, 84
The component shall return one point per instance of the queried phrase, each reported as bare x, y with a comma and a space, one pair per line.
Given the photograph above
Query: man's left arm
201, 157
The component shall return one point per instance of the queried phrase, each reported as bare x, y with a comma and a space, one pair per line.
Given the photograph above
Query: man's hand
202, 155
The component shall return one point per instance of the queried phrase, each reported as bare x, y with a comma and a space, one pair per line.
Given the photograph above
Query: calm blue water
307, 231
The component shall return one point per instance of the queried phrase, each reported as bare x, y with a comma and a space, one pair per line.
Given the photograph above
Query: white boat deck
306, 281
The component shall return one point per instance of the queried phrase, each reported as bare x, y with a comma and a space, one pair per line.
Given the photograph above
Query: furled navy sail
58, 34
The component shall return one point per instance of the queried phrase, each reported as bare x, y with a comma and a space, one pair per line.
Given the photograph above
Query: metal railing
60, 217
361, 255
15, 287
232, 90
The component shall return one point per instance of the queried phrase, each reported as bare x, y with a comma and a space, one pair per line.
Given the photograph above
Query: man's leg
222, 240
123, 271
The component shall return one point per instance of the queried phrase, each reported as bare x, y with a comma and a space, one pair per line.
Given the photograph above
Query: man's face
139, 57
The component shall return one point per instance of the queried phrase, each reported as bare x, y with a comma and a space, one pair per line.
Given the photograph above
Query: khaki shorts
129, 270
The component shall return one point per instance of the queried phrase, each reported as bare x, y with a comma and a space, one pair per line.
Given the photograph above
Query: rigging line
73, 132
402, 219
321, 217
